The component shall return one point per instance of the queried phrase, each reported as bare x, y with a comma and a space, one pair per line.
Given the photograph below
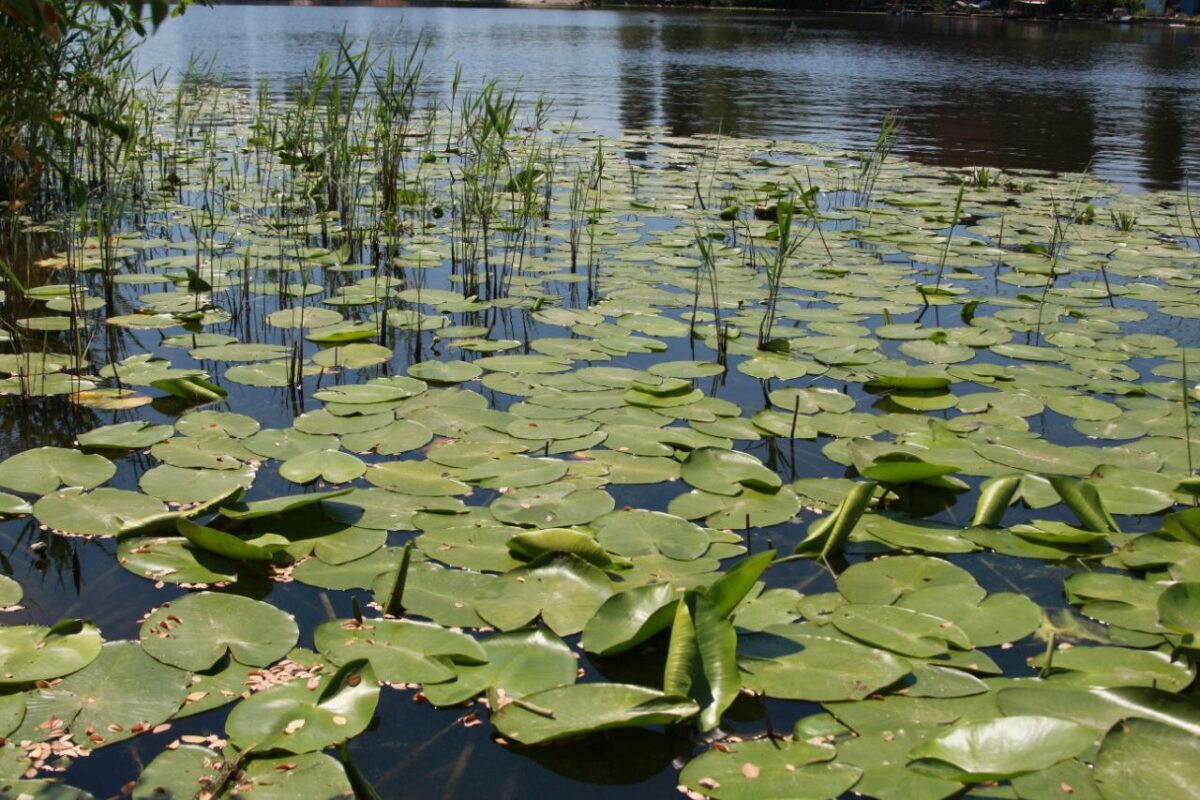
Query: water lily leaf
295, 719
360, 573
995, 496
121, 693
358, 355
1002, 748
531, 544
270, 374
586, 708
1101, 708
42, 790
925, 537
421, 478
223, 544
174, 560
1117, 667
342, 333
432, 591
636, 532
899, 468
203, 451
789, 664
400, 651
445, 372
387, 510
752, 507
288, 443
240, 352
175, 484
727, 472
626, 468
100, 512
1078, 406
520, 663
281, 505
828, 536
196, 630
769, 769
331, 466
885, 580
1179, 608
553, 505
900, 630
1084, 501
10, 594
125, 436
33, 652
397, 437
176, 774
480, 547
1116, 599
564, 589
45, 469
515, 472
1146, 758
192, 388
628, 618
10, 504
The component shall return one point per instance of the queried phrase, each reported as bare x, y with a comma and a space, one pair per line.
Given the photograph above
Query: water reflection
970, 91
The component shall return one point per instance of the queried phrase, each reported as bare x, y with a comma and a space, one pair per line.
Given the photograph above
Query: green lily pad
32, 652
45, 469
125, 436
1002, 748
727, 472
195, 631
296, 719
331, 466
562, 588
400, 651
789, 664
519, 663
566, 711
100, 512
769, 768
122, 692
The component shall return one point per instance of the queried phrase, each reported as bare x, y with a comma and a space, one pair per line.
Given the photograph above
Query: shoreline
666, 7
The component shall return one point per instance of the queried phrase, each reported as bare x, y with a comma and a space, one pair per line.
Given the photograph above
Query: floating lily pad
195, 631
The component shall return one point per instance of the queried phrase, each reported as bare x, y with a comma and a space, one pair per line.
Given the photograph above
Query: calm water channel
1124, 101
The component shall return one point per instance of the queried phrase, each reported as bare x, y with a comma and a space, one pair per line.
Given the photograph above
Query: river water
1122, 101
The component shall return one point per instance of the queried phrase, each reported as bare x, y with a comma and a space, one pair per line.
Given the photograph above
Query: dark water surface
1122, 100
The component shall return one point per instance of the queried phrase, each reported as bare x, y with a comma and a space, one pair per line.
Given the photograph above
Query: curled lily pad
727, 472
